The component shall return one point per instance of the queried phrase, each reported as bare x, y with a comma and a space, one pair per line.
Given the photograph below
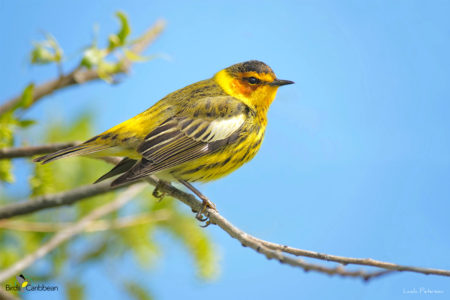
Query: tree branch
4, 295
70, 232
268, 249
54, 200
79, 75
27, 151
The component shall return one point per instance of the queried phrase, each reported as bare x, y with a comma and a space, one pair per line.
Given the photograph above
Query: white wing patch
209, 131
222, 129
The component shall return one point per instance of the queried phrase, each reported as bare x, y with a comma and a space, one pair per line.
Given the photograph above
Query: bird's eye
253, 80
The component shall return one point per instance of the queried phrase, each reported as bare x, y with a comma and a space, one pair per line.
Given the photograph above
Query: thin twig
351, 260
70, 232
80, 75
27, 151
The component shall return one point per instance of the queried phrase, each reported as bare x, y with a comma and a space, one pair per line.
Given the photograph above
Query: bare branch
351, 260
79, 75
269, 249
4, 295
54, 200
27, 151
272, 250
70, 232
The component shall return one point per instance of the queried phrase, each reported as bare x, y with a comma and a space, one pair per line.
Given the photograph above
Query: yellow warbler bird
198, 133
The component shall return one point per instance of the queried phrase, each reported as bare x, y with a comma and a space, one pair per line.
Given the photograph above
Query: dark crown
250, 66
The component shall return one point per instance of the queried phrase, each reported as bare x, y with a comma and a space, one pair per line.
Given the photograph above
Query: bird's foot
202, 215
157, 193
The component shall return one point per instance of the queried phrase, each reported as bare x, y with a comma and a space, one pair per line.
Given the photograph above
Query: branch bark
54, 200
70, 232
4, 295
27, 151
271, 250
79, 75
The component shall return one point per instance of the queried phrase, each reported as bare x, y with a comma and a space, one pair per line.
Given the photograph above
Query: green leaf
5, 171
124, 29
137, 291
7, 123
134, 57
107, 69
43, 180
47, 51
93, 56
41, 56
27, 97
119, 39
114, 41
26, 123
53, 44
74, 290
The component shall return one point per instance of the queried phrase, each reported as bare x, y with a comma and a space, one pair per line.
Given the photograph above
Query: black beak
280, 82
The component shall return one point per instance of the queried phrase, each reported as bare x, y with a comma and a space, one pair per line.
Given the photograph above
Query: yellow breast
221, 163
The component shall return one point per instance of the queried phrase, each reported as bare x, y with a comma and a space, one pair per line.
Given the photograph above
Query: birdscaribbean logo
23, 284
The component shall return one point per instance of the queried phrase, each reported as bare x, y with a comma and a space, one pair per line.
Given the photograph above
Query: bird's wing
204, 129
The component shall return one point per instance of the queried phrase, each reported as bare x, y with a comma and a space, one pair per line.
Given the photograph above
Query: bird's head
252, 81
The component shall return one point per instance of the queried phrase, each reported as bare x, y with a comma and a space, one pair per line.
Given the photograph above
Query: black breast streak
194, 170
208, 105
258, 142
92, 139
246, 154
226, 161
106, 136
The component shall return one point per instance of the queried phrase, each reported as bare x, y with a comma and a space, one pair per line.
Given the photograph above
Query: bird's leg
157, 193
206, 202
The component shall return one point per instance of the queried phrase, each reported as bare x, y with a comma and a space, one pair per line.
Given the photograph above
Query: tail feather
136, 172
123, 166
82, 149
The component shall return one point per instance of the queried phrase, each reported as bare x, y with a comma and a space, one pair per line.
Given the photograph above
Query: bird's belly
220, 163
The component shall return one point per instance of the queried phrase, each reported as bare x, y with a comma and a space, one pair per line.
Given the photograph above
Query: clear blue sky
356, 160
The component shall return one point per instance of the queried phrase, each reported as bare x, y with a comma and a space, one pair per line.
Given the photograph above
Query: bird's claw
158, 194
202, 215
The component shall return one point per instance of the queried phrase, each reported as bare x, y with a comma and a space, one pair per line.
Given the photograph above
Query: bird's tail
123, 166
83, 149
